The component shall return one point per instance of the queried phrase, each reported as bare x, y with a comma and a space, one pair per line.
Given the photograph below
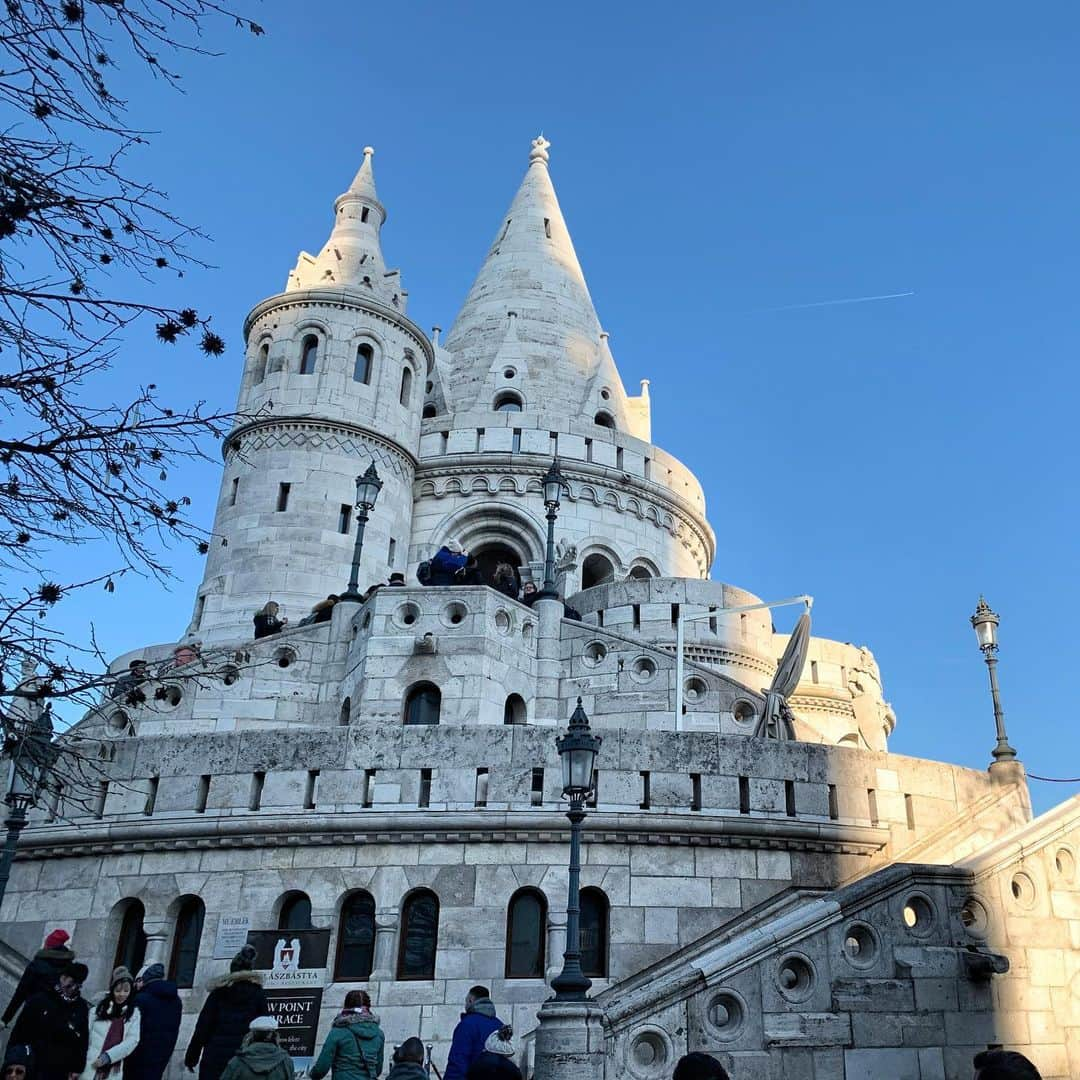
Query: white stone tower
333, 378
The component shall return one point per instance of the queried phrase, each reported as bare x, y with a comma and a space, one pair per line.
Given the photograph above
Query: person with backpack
354, 1048
448, 564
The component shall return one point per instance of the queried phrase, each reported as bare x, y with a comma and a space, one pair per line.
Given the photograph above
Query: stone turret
333, 379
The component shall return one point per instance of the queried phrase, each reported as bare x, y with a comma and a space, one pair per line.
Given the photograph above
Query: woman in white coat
114, 1029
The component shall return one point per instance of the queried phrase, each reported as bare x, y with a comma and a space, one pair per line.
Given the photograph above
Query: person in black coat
41, 973
234, 1001
56, 1026
159, 1005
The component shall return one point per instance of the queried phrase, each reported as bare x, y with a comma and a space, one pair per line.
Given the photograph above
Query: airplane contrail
832, 303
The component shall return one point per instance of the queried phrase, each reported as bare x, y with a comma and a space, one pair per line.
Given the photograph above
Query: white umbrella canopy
776, 719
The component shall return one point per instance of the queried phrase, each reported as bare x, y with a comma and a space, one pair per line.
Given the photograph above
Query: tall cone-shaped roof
533, 271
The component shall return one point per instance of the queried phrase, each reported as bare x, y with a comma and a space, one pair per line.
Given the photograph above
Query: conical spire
353, 255
533, 270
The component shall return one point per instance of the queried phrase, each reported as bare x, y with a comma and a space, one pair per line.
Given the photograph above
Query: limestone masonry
814, 909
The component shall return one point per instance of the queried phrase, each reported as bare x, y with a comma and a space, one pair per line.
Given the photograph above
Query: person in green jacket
354, 1047
260, 1057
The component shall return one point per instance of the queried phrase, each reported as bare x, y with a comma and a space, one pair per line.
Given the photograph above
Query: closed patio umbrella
775, 721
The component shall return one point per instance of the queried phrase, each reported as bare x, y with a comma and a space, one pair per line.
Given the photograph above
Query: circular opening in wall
119, 721
695, 689
1022, 889
643, 669
406, 614
454, 613
229, 674
284, 657
1065, 864
725, 1015
503, 622
974, 917
650, 1055
745, 713
169, 696
509, 373
860, 945
594, 653
795, 977
918, 914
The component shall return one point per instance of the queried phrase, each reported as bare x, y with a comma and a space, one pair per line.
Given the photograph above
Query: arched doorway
596, 570
488, 556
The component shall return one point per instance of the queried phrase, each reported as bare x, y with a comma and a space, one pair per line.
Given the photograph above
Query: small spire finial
539, 149
368, 151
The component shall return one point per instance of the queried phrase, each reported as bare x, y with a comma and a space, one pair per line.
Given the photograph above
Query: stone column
386, 925
570, 1041
157, 936
556, 943
549, 615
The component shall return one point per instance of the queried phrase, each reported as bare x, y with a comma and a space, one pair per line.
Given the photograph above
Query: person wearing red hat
41, 973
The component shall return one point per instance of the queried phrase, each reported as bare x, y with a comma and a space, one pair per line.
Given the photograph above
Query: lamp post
577, 752
554, 485
368, 487
31, 755
985, 623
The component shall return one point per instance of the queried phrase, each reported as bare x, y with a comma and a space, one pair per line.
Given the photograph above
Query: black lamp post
368, 487
985, 623
31, 756
554, 485
577, 752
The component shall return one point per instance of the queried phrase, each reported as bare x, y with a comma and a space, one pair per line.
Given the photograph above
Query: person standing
41, 973
354, 1048
477, 1022
159, 1009
234, 1001
55, 1025
114, 1029
497, 1060
408, 1061
260, 1057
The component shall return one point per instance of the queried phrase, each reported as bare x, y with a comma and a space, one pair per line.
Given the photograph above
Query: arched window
640, 573
422, 704
406, 385
365, 354
514, 710
260, 363
346, 709
604, 419
295, 913
507, 401
356, 938
594, 933
526, 929
419, 936
309, 352
186, 938
429, 411
131, 941
596, 570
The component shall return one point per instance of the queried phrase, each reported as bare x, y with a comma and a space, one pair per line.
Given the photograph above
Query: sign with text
232, 934
290, 957
297, 1014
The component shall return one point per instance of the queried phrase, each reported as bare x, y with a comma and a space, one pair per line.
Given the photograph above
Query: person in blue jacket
447, 562
477, 1022
158, 1003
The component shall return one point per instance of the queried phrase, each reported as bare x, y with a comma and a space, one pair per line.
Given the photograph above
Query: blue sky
892, 458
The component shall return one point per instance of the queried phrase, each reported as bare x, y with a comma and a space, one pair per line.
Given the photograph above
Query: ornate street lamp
554, 486
31, 755
577, 752
368, 487
985, 623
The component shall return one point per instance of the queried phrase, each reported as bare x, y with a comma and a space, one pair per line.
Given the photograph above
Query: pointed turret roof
533, 270
353, 255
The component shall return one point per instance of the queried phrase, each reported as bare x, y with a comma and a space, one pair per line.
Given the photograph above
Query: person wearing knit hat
159, 1007
497, 1060
234, 1001
41, 973
114, 1029
55, 1024
260, 1057
18, 1063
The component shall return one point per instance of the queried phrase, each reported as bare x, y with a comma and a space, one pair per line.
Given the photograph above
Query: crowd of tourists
131, 1033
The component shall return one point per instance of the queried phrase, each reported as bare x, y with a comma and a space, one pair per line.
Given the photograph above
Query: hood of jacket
482, 1006
160, 988
261, 1057
365, 1024
234, 978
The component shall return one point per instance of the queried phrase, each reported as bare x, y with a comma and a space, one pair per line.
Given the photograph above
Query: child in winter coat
354, 1047
260, 1057
114, 1029
497, 1060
